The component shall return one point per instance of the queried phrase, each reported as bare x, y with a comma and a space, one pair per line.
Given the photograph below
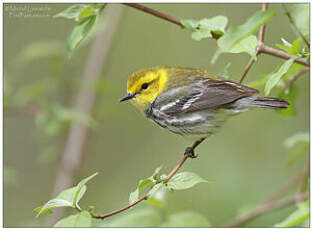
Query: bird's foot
189, 151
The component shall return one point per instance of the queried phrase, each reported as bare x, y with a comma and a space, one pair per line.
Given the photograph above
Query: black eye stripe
144, 86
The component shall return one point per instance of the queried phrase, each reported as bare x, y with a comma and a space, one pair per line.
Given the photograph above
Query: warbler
190, 101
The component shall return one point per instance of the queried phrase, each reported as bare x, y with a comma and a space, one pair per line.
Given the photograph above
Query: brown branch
145, 196
305, 177
264, 7
155, 13
294, 78
277, 53
272, 203
289, 185
295, 26
265, 208
248, 66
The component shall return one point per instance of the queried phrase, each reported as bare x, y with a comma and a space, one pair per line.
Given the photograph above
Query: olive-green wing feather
208, 93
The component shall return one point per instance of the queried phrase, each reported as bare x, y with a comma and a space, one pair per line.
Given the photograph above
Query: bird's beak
128, 96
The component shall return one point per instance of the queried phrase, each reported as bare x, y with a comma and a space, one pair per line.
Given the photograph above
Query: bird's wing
206, 93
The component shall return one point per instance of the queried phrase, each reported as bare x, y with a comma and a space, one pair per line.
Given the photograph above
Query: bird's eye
144, 86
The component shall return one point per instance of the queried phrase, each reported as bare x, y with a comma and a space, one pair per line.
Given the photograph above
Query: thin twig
248, 66
145, 196
265, 208
295, 26
294, 78
155, 13
264, 7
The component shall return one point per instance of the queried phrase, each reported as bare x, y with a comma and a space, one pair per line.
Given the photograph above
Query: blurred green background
246, 159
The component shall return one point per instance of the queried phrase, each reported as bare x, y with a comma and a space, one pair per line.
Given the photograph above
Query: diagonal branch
264, 7
295, 26
265, 208
294, 78
162, 16
289, 185
179, 165
145, 196
272, 203
155, 13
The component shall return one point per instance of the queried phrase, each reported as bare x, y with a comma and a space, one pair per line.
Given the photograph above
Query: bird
190, 101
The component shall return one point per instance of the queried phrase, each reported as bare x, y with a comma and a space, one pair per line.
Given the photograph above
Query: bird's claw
189, 151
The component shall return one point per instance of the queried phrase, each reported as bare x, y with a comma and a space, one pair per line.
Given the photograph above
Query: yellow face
146, 85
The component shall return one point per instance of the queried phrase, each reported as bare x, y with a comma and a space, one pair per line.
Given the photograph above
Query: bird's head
145, 86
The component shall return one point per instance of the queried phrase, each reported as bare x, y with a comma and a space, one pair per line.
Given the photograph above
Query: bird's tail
262, 102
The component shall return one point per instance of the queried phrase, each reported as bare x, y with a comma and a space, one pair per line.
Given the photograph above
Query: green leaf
77, 12
224, 72
67, 198
72, 12
142, 184
248, 45
206, 28
190, 24
81, 189
54, 203
156, 173
184, 180
79, 33
45, 211
154, 189
201, 34
293, 70
298, 216
291, 98
141, 218
297, 138
235, 34
86, 12
216, 24
186, 219
82, 219
296, 46
67, 194
275, 77
292, 49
